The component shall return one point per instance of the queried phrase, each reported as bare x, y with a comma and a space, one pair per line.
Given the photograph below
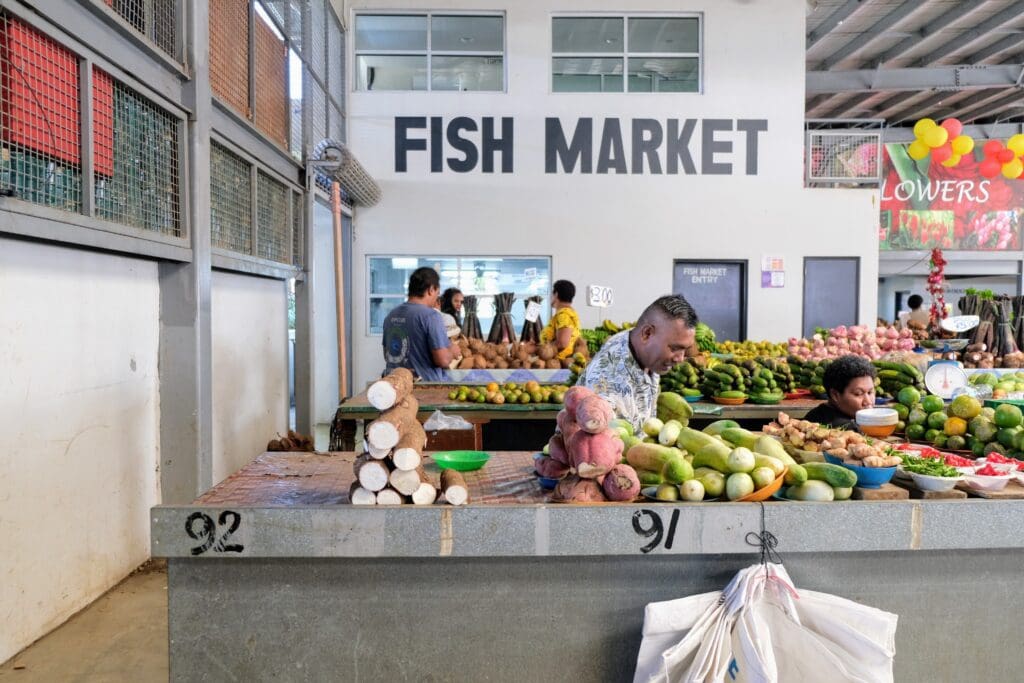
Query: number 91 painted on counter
648, 524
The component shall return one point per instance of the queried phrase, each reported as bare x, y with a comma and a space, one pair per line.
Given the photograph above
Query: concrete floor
120, 637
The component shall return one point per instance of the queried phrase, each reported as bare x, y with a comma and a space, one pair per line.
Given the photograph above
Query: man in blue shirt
414, 332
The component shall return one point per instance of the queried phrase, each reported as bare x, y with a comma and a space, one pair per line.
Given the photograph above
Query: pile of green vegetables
929, 466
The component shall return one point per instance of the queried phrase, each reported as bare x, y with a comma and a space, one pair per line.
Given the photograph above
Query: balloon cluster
937, 287
1003, 159
944, 141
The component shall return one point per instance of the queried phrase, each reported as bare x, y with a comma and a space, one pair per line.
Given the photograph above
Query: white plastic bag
439, 421
761, 629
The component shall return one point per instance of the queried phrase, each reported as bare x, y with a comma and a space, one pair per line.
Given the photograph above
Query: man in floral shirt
625, 372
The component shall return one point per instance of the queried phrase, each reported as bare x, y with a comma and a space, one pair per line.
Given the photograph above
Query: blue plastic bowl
867, 477
546, 483
692, 399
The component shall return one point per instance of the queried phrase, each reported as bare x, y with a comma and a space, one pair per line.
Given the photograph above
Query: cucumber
691, 440
670, 433
717, 426
731, 394
817, 491
648, 478
740, 437
835, 475
713, 455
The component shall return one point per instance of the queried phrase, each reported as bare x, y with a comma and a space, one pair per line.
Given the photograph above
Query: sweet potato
595, 454
593, 414
467, 363
550, 468
553, 364
558, 451
566, 425
547, 351
480, 362
572, 398
572, 489
621, 483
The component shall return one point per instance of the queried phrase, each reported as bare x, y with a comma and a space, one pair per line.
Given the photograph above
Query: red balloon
940, 154
992, 148
989, 168
1004, 156
953, 127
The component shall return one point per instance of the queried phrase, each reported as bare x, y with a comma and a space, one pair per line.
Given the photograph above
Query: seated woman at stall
564, 327
451, 304
850, 384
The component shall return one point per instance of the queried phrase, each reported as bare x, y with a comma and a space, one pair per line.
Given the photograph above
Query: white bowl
927, 482
1004, 467
983, 482
877, 417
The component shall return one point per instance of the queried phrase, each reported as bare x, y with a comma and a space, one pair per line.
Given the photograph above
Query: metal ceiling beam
888, 21
924, 78
1010, 13
924, 105
833, 20
991, 105
815, 102
871, 103
1010, 41
931, 28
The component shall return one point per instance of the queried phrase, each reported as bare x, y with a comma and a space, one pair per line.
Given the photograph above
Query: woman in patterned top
564, 327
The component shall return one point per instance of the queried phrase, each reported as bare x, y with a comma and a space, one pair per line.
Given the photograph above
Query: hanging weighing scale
944, 377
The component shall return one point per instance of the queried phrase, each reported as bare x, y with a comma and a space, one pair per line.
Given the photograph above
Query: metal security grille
335, 59
230, 201
271, 91
272, 226
317, 54
316, 103
297, 245
336, 124
140, 188
40, 158
843, 156
152, 18
229, 53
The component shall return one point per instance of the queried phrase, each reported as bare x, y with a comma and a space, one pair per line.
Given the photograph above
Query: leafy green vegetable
929, 466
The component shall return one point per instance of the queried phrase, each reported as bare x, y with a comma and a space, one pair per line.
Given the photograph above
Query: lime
1008, 415
1018, 441
937, 420
940, 440
908, 396
930, 435
1006, 436
917, 417
932, 404
955, 426
965, 406
956, 443
915, 432
1007, 386
902, 411
978, 449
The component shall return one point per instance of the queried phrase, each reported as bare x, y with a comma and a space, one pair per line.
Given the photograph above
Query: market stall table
435, 397
271, 575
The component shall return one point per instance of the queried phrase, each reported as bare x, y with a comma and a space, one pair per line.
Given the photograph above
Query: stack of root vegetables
391, 472
586, 453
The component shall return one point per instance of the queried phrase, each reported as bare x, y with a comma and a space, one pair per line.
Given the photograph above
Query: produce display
849, 446
509, 392
932, 467
725, 380
964, 425
684, 379
480, 355
705, 338
859, 340
894, 377
751, 349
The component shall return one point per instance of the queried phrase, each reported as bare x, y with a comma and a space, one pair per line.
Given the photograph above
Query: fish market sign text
592, 146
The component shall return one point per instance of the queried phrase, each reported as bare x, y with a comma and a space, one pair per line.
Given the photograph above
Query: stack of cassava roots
390, 471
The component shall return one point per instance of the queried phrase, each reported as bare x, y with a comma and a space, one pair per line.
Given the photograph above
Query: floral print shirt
615, 374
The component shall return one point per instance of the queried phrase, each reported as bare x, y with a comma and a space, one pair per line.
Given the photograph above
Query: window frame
625, 54
371, 294
429, 52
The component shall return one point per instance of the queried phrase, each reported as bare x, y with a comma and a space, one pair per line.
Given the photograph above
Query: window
448, 52
481, 276
633, 53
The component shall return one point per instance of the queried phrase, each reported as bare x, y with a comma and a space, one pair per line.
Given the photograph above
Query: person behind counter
917, 313
849, 382
414, 333
625, 371
451, 304
564, 327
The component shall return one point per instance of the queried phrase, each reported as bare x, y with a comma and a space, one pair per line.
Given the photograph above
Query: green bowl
463, 461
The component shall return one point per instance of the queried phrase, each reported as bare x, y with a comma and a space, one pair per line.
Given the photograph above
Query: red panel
103, 121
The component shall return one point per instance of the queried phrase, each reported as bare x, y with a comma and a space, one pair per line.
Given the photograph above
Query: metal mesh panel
141, 189
297, 206
271, 115
317, 54
843, 156
40, 160
272, 226
336, 124
230, 201
287, 16
295, 107
229, 53
335, 62
317, 103
152, 18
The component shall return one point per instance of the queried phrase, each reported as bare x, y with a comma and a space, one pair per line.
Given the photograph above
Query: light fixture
404, 263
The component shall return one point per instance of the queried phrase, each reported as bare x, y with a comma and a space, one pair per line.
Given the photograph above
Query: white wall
324, 322
79, 430
618, 230
250, 367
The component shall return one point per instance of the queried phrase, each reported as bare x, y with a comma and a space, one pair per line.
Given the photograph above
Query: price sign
532, 311
599, 296
960, 323
213, 536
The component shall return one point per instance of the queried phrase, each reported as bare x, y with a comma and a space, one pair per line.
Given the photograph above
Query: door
717, 290
831, 292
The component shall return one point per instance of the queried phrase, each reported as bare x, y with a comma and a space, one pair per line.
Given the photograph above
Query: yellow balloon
1016, 143
935, 137
1012, 169
963, 144
917, 150
952, 161
922, 127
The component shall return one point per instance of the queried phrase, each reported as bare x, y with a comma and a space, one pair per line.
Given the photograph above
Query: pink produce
839, 331
621, 483
558, 451
595, 454
573, 397
892, 333
593, 414
566, 425
550, 468
572, 489
906, 344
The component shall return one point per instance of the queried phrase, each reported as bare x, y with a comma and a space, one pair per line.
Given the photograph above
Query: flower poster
926, 205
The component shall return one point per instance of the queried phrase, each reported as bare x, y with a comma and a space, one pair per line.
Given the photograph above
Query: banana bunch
613, 327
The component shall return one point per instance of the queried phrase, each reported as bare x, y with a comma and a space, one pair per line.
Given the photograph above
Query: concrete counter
265, 584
